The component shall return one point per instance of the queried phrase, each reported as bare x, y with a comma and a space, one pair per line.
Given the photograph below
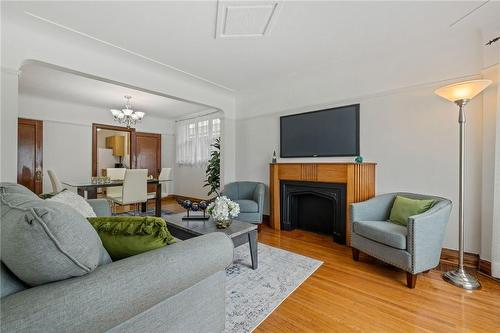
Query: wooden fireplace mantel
359, 180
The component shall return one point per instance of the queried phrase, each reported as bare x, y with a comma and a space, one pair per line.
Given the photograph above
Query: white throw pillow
74, 201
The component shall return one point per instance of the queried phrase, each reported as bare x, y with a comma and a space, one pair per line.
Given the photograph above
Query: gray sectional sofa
178, 288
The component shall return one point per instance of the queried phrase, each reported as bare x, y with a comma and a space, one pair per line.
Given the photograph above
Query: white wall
24, 39
490, 210
67, 135
8, 126
490, 133
411, 133
67, 149
190, 180
495, 230
168, 159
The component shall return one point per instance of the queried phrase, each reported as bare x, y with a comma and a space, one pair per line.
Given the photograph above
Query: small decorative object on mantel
275, 159
358, 159
222, 209
190, 206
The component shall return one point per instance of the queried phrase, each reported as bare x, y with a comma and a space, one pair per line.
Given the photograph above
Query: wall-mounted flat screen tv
322, 133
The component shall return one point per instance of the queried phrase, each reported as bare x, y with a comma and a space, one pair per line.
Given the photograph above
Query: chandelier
127, 116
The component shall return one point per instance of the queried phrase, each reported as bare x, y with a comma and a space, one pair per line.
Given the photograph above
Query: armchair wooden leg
411, 280
355, 254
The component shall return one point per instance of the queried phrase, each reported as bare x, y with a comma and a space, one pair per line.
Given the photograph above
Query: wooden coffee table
240, 232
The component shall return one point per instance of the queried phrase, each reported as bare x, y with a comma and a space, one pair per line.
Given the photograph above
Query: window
215, 128
191, 131
194, 137
203, 128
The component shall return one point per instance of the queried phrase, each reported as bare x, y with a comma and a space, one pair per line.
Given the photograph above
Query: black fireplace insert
314, 206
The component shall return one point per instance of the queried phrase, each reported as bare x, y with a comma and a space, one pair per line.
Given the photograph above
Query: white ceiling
241, 19
305, 34
40, 80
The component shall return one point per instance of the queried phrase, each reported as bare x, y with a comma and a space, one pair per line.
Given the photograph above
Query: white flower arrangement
222, 208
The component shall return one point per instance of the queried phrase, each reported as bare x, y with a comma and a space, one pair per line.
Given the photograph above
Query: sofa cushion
9, 284
45, 241
126, 236
248, 206
404, 207
383, 232
75, 201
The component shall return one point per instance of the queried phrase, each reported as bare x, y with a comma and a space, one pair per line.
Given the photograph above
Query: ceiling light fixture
127, 115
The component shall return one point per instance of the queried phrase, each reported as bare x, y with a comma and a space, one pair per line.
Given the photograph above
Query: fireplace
314, 206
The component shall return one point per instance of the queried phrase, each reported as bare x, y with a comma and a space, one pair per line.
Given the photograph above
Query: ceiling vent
244, 19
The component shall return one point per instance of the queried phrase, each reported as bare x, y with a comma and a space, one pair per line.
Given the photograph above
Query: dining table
91, 188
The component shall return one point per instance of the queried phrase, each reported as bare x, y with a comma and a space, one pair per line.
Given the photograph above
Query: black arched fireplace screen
314, 206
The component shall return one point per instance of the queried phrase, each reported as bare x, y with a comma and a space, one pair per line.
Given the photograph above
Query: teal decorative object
358, 159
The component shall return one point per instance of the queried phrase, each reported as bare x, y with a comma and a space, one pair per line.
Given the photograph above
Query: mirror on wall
113, 150
112, 147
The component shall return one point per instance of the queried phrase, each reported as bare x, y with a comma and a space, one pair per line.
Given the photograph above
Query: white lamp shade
127, 112
140, 114
115, 112
466, 90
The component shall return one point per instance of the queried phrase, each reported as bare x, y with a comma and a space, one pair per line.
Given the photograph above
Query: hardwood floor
368, 296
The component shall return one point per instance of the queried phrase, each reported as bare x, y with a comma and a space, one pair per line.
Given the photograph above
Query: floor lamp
461, 93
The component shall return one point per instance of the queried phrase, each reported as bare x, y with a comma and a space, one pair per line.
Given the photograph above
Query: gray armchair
415, 248
250, 197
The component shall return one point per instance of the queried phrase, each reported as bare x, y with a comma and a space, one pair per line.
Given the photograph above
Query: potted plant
222, 209
213, 169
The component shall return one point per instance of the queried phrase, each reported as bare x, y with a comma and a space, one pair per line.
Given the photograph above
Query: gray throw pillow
12, 188
75, 201
44, 241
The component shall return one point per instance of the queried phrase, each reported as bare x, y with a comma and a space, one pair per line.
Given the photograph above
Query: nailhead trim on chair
411, 235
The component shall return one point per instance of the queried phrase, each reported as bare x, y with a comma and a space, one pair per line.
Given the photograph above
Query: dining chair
134, 190
115, 174
165, 179
54, 180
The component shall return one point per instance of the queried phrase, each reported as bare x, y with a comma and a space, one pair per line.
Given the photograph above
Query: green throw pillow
406, 207
126, 236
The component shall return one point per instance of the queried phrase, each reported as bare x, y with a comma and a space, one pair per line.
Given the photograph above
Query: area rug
252, 295
149, 212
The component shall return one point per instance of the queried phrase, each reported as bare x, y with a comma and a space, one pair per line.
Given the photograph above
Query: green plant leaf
213, 169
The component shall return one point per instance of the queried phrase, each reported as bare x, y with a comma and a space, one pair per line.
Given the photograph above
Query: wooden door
30, 154
148, 154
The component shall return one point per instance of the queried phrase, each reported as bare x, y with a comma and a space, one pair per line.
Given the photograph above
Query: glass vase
223, 224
